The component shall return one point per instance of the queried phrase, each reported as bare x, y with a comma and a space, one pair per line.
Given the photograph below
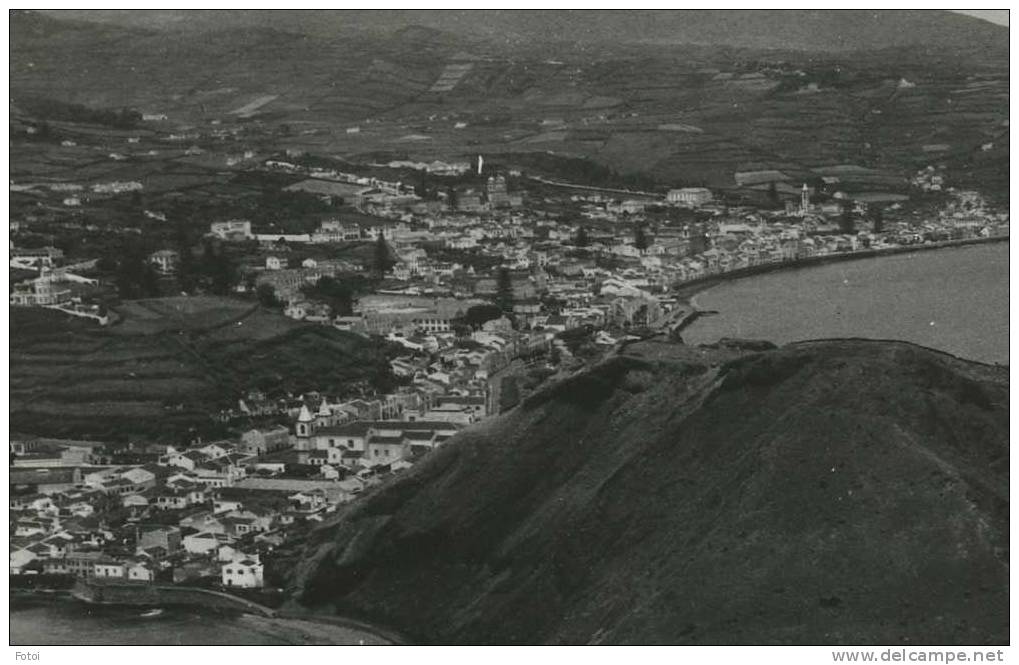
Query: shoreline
686, 292
315, 631
693, 310
381, 634
290, 627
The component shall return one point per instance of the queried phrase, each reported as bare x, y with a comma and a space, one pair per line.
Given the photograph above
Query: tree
582, 240
107, 263
478, 315
504, 290
846, 223
878, 217
266, 294
149, 281
640, 238
382, 260
218, 269
334, 293
773, 193
186, 269
134, 275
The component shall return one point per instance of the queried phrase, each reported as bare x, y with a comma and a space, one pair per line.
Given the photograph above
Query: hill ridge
844, 492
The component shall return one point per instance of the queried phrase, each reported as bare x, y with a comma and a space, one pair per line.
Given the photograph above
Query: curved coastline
948, 301
291, 626
688, 291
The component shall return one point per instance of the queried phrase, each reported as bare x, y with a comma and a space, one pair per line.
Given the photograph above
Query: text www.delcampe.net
919, 656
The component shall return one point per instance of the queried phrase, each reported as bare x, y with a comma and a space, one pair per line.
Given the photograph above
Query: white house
109, 568
140, 572
165, 261
245, 572
231, 229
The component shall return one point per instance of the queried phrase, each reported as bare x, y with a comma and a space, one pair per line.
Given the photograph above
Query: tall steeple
805, 200
324, 415
304, 422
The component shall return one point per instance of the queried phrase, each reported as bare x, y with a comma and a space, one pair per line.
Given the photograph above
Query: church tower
305, 421
805, 200
324, 417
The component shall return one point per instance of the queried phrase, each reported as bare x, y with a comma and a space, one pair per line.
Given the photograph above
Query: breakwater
144, 594
689, 288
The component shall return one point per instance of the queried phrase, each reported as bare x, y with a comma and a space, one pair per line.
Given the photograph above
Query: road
569, 185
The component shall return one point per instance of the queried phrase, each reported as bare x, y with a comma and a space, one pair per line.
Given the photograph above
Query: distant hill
837, 492
679, 98
811, 30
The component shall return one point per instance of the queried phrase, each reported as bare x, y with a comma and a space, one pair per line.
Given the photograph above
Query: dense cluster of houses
210, 513
617, 276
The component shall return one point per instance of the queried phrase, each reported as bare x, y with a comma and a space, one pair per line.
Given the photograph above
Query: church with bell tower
804, 201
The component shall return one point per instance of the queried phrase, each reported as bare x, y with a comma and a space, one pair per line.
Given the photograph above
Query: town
477, 279
480, 293
673, 327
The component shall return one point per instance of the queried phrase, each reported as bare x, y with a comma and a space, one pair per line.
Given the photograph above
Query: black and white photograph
509, 327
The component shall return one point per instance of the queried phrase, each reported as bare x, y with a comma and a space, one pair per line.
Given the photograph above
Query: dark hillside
833, 492
160, 372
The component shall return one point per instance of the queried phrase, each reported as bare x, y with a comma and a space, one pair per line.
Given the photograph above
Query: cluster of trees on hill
826, 77
209, 270
132, 273
275, 204
382, 257
475, 317
213, 271
52, 109
337, 294
578, 170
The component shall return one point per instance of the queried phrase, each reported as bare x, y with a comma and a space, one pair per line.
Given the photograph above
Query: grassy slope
836, 492
161, 370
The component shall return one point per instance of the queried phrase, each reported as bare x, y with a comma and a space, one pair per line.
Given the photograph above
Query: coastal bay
953, 299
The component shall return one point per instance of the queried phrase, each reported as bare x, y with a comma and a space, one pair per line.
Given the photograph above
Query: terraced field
170, 365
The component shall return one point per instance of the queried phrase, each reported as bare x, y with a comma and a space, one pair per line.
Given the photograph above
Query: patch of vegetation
52, 109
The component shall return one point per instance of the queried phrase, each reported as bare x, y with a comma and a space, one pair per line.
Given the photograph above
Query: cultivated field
171, 364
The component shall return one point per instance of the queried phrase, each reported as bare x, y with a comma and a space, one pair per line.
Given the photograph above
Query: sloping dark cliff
825, 492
